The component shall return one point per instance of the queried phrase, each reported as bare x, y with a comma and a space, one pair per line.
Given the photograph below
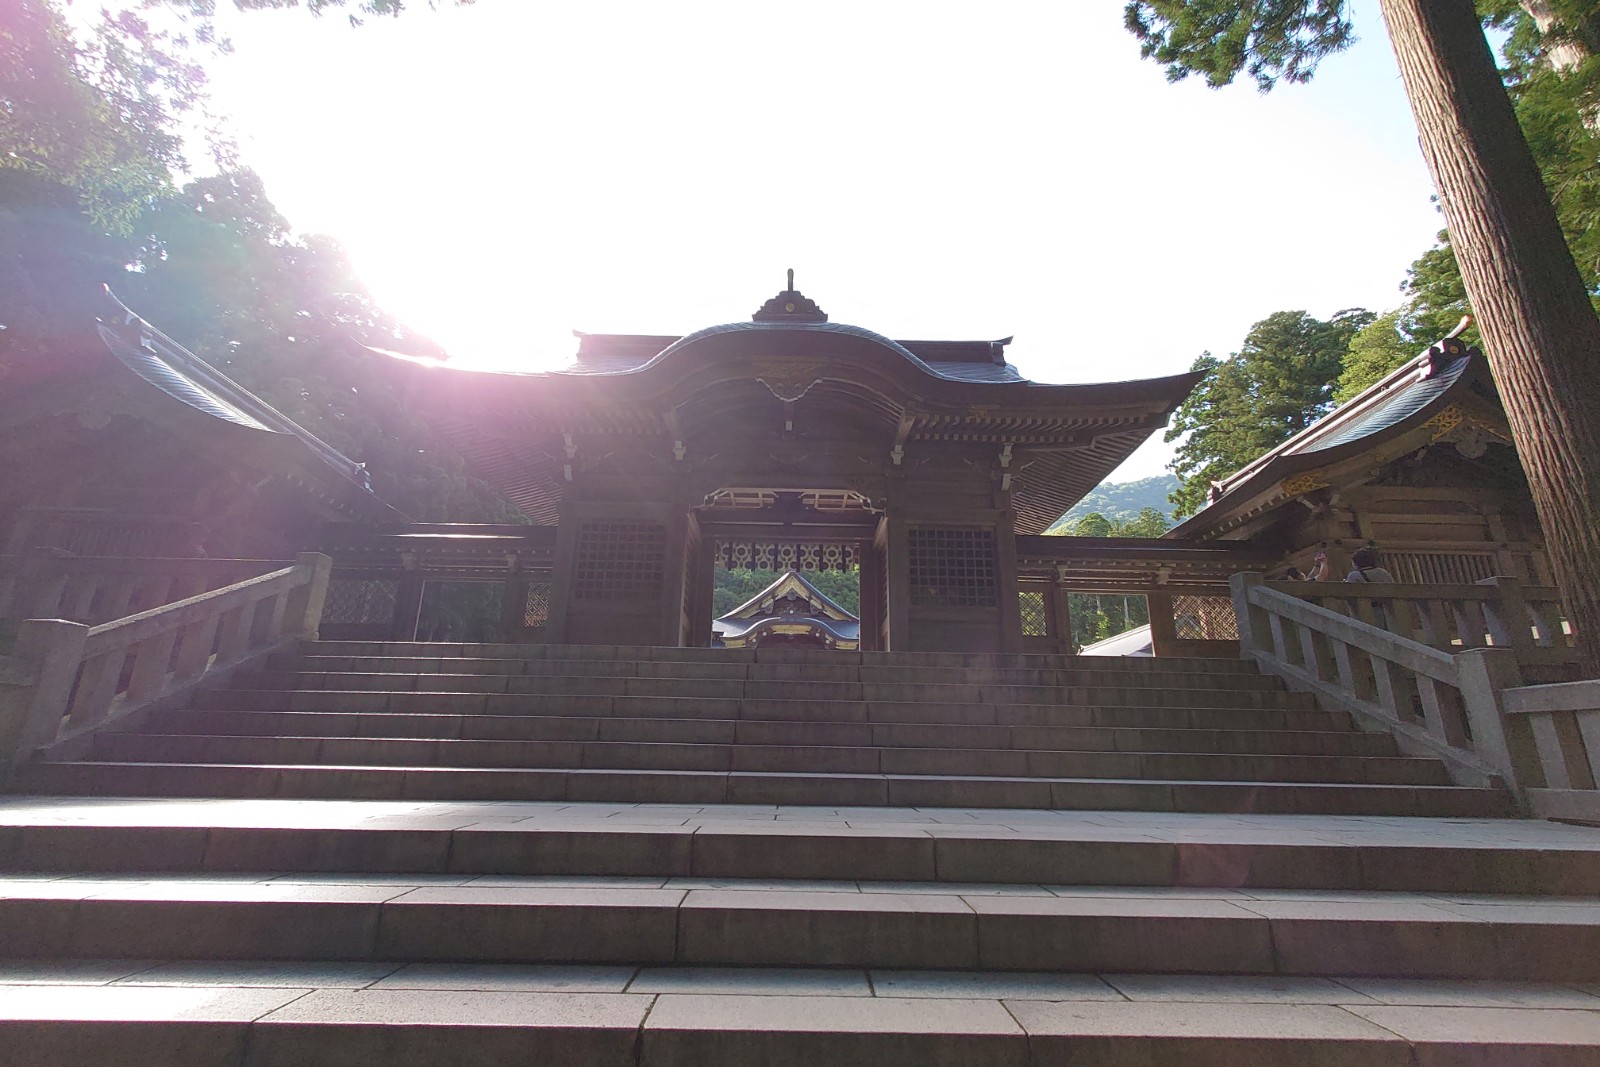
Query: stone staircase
596, 855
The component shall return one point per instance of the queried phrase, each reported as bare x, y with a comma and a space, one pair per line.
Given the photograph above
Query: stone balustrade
1435, 702
1493, 613
1564, 720
64, 678
54, 584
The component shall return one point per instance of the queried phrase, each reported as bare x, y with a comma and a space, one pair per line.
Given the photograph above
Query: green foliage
1278, 383
98, 114
221, 273
1375, 350
1149, 522
731, 588
1217, 39
1120, 500
88, 146
1096, 616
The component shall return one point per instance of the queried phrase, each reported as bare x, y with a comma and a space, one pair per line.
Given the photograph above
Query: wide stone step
741, 787
1107, 674
768, 732
729, 923
661, 654
267, 1014
653, 843
562, 685
793, 710
659, 756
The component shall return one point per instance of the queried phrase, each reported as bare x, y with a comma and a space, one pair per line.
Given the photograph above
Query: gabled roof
798, 584
1384, 416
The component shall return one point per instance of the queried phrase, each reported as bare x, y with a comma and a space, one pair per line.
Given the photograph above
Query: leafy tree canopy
1271, 40
88, 153
1278, 383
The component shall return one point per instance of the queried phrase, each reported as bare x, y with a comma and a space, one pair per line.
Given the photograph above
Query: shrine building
791, 613
789, 441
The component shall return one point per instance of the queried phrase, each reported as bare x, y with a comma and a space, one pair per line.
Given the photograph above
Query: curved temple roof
173, 370
515, 427
1403, 401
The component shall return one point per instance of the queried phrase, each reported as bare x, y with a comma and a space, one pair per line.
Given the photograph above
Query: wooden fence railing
51, 584
1434, 702
63, 678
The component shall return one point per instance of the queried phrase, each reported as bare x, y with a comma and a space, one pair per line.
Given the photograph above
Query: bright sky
505, 173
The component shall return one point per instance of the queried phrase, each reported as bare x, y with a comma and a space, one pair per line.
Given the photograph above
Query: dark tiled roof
185, 377
1409, 395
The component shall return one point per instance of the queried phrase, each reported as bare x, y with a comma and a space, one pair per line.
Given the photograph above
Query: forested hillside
1120, 501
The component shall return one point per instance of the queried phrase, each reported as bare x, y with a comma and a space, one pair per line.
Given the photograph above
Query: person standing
1366, 567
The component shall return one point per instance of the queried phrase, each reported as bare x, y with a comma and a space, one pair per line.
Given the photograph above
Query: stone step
1103, 675
768, 732
270, 1014
582, 685
658, 756
78, 777
733, 923
652, 843
961, 660
792, 710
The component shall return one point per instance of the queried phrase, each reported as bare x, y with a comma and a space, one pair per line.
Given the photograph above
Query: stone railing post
1484, 674
1251, 635
36, 685
303, 614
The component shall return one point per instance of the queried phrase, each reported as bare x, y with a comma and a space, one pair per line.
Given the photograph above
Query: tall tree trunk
1538, 327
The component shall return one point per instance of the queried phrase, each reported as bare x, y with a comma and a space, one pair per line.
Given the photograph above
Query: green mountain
1119, 501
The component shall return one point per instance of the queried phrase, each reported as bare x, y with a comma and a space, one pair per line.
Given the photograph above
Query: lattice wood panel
620, 561
360, 600
1204, 618
1035, 619
536, 610
952, 567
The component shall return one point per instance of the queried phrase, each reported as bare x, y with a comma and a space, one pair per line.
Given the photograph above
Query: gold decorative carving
982, 411
1446, 421
1301, 484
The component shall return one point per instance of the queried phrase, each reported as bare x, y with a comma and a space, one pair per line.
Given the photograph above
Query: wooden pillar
897, 563
674, 576
1163, 628
1005, 574
1061, 616
871, 612
563, 566
514, 605
408, 607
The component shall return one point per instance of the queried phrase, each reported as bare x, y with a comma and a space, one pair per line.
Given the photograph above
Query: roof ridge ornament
791, 305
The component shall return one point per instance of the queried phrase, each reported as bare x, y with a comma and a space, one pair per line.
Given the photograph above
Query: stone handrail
52, 584
64, 679
1434, 702
1564, 720
1493, 613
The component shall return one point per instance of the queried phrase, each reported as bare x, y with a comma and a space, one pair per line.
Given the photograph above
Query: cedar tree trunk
1538, 326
